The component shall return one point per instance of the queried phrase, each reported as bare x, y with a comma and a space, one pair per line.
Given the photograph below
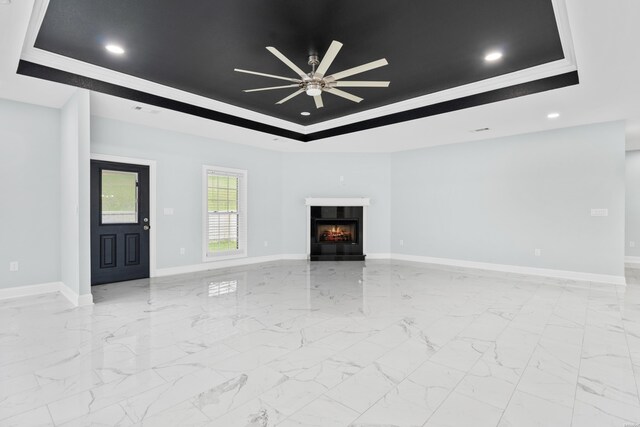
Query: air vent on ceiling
145, 109
480, 130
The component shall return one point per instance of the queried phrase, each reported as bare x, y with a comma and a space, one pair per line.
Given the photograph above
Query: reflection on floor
326, 344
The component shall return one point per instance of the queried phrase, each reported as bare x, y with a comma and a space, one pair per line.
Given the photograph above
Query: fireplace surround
335, 229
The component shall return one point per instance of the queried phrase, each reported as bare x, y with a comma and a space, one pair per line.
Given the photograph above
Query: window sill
214, 258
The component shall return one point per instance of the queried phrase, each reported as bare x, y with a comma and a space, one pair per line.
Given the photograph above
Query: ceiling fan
316, 82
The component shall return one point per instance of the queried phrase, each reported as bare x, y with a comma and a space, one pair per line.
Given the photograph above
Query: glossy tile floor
326, 344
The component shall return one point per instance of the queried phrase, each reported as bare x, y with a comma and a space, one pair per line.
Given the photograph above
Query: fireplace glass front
335, 231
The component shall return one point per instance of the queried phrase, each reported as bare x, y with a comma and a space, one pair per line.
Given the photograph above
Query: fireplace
336, 233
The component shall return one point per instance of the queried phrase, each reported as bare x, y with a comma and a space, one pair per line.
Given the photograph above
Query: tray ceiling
193, 47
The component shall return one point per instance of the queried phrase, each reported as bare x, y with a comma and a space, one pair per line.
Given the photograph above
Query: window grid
223, 212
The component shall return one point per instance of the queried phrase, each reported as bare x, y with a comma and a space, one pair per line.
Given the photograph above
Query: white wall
179, 160
278, 184
495, 201
69, 196
75, 262
632, 229
489, 201
29, 186
318, 175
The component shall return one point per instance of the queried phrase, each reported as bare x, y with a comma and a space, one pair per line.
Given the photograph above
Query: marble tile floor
326, 344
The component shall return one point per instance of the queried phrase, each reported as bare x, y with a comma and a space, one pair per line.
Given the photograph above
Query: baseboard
47, 288
304, 256
82, 300
379, 256
215, 265
632, 260
534, 271
30, 290
74, 298
294, 256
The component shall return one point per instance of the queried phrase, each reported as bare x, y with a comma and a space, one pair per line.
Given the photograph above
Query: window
225, 216
119, 193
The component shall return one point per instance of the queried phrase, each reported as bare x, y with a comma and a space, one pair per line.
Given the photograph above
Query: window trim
242, 251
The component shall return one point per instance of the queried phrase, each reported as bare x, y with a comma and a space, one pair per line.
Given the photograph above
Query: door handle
146, 227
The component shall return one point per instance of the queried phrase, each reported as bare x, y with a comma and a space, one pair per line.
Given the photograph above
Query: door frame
152, 198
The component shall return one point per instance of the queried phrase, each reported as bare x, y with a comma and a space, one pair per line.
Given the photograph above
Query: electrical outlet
599, 212
14, 266
183, 251
341, 179
266, 243
537, 252
632, 244
401, 242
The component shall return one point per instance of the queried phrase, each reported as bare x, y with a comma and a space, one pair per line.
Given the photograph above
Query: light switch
13, 266
168, 211
599, 212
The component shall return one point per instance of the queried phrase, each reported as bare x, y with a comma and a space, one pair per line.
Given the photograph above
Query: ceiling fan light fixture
313, 89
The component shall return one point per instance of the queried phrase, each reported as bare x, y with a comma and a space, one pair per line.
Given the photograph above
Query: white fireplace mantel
338, 201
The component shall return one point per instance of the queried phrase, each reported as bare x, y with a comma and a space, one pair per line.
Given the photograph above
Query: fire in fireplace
336, 233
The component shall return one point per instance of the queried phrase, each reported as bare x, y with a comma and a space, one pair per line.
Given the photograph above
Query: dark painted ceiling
194, 45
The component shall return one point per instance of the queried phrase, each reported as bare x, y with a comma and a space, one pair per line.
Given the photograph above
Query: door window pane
119, 197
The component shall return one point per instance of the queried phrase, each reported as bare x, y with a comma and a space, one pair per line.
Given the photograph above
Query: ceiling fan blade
286, 60
344, 94
296, 93
359, 69
267, 75
318, 100
328, 58
353, 83
270, 88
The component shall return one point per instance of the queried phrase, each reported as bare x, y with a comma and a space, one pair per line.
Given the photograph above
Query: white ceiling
605, 35
14, 20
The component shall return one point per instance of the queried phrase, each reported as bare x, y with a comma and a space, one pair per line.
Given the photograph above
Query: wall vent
145, 109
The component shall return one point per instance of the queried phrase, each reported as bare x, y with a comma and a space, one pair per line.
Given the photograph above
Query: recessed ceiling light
493, 56
553, 115
114, 48
305, 113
